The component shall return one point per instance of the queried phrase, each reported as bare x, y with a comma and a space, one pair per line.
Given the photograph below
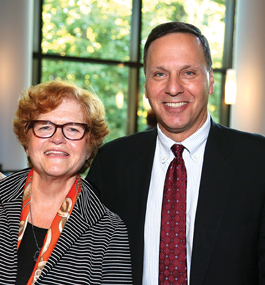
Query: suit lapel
140, 169
216, 181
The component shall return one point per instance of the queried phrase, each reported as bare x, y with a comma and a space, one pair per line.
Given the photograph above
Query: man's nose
174, 85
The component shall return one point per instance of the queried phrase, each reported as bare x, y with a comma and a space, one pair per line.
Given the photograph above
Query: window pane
207, 15
143, 105
106, 80
87, 28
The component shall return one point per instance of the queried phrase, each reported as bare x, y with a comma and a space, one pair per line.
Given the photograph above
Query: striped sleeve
117, 261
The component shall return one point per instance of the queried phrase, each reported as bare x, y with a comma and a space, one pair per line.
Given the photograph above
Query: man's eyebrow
159, 67
187, 66
183, 67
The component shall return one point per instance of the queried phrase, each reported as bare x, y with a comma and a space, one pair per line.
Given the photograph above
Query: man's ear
145, 94
211, 81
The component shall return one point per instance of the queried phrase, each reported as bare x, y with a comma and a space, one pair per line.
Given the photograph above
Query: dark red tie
172, 255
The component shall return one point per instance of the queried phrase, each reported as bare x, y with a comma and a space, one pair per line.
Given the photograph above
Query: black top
27, 251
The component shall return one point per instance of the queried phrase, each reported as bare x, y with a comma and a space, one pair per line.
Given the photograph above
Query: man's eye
189, 73
159, 74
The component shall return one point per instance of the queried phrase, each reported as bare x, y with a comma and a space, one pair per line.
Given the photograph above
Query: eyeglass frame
33, 122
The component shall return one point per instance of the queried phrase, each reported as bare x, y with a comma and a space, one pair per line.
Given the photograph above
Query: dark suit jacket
229, 236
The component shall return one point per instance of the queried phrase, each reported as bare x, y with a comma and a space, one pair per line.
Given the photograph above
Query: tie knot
177, 150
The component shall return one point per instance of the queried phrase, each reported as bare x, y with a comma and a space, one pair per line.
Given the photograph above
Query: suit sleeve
261, 249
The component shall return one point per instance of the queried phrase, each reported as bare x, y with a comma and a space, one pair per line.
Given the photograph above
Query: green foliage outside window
90, 29
100, 29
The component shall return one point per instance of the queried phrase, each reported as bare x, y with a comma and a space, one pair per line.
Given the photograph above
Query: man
225, 193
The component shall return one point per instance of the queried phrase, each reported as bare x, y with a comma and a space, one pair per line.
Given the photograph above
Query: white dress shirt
193, 158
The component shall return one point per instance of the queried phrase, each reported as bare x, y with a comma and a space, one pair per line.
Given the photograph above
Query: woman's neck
47, 196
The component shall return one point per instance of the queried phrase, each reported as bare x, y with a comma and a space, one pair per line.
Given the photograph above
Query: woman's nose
58, 136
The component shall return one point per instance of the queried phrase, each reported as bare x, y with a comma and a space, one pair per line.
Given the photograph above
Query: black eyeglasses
46, 129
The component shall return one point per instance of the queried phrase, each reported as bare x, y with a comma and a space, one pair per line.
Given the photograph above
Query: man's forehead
174, 45
179, 36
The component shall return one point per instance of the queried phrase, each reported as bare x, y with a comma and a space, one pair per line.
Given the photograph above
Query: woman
53, 229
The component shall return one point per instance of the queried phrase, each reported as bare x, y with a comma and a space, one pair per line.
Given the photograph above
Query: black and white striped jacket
92, 249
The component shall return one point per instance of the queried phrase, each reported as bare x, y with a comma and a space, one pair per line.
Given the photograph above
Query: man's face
178, 84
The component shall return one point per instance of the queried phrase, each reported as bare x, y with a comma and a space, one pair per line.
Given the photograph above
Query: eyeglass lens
72, 131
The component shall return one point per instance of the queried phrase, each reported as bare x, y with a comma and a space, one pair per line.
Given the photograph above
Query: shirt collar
194, 144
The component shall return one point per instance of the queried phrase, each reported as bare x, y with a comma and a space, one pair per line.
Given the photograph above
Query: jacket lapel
141, 168
85, 213
12, 203
13, 218
216, 181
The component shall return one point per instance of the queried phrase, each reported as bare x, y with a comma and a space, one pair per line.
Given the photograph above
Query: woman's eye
73, 130
44, 128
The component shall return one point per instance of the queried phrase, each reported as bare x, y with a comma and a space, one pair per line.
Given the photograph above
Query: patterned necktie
172, 256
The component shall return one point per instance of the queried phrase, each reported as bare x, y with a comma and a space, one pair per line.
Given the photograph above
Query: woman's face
57, 156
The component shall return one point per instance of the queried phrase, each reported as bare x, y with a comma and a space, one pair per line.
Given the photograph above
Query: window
99, 44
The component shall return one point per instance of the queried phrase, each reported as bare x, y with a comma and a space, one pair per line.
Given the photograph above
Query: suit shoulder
101, 210
89, 195
131, 141
114, 218
239, 140
11, 185
241, 135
